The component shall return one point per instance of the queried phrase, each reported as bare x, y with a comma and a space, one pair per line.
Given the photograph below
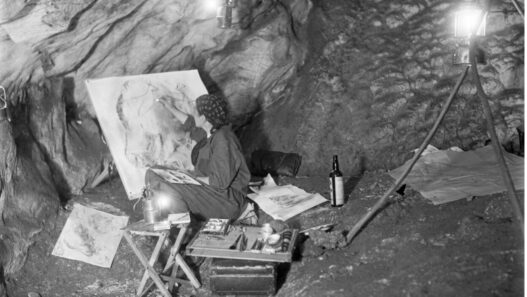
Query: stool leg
190, 274
176, 247
177, 260
173, 276
153, 259
153, 274
173, 252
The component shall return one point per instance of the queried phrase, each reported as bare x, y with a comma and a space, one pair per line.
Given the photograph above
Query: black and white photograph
286, 148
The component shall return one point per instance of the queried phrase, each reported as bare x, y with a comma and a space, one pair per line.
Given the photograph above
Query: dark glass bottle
336, 184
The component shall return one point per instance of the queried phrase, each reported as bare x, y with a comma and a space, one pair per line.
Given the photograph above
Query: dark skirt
202, 201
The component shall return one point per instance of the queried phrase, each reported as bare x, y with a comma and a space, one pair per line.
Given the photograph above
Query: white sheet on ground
285, 202
90, 236
446, 176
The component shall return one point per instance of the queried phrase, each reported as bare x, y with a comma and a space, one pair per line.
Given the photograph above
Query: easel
175, 259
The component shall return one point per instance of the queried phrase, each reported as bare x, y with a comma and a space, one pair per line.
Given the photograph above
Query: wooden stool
175, 259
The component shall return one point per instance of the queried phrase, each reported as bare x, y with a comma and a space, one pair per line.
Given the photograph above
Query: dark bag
236, 277
276, 163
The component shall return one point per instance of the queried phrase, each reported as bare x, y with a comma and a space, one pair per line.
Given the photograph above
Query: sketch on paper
285, 202
149, 120
90, 236
288, 201
176, 176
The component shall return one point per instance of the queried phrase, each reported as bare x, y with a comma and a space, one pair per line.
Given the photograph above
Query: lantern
470, 19
224, 14
467, 17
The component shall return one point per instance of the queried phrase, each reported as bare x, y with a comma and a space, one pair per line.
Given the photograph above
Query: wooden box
242, 277
214, 246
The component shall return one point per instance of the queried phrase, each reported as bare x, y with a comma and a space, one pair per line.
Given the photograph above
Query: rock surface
374, 81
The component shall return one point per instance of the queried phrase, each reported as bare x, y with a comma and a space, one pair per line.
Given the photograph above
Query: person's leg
208, 202
202, 201
166, 197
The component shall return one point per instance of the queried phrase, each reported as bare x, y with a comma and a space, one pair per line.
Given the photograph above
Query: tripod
498, 149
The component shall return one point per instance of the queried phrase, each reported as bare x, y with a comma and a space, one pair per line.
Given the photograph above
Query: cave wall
29, 199
114, 38
376, 77
364, 80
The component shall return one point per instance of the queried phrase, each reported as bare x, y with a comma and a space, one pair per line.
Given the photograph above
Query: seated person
219, 165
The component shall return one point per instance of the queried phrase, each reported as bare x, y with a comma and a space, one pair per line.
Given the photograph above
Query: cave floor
411, 248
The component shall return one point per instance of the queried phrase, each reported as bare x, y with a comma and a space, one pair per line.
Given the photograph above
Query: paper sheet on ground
90, 236
446, 176
285, 202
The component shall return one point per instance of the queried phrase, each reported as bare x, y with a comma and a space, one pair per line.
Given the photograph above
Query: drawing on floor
90, 236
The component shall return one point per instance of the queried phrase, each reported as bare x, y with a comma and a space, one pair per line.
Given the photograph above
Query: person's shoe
248, 216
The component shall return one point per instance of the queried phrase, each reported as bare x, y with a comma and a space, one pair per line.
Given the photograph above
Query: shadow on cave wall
253, 137
34, 123
353, 180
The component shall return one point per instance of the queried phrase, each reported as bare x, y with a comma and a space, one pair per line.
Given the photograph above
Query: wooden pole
518, 8
382, 201
498, 150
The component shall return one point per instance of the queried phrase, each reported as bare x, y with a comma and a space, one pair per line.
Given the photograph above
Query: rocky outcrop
376, 77
28, 199
72, 146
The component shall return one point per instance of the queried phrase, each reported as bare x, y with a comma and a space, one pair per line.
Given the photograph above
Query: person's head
214, 108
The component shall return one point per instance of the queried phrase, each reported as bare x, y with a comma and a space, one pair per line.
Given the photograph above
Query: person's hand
166, 102
163, 100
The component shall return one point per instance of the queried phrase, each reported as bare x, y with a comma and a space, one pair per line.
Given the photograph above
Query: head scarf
214, 108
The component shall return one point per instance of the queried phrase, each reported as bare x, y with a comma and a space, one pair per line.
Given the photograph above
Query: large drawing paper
446, 176
90, 236
285, 202
140, 129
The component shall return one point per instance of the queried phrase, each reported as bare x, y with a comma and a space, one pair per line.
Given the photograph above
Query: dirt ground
411, 248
